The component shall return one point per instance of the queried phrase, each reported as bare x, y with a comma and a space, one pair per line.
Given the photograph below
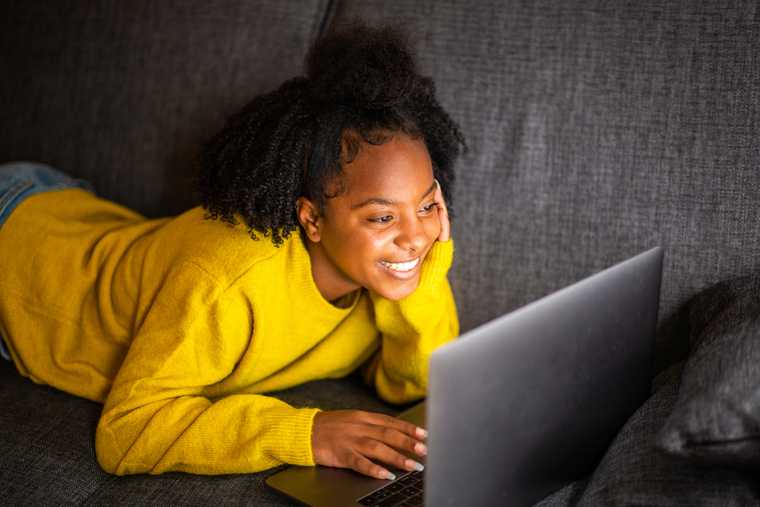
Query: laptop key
382, 493
395, 487
392, 500
377, 497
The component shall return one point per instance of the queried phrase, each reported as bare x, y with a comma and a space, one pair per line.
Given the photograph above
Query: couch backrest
596, 129
124, 93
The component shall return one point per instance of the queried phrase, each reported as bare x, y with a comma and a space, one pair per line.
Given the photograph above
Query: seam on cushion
713, 443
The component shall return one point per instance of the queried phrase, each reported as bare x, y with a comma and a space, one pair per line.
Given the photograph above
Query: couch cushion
597, 130
564, 497
635, 472
46, 444
124, 93
716, 418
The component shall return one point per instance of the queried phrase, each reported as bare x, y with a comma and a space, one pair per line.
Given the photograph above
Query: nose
411, 237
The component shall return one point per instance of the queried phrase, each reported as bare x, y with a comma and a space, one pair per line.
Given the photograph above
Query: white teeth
402, 266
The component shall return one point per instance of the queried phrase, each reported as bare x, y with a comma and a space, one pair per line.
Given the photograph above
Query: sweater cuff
289, 434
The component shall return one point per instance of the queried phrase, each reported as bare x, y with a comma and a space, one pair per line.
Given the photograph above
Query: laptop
521, 405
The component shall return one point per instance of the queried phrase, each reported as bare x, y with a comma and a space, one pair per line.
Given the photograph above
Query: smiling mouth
401, 267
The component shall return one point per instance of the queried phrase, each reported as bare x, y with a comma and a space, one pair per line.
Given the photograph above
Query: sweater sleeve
411, 329
156, 418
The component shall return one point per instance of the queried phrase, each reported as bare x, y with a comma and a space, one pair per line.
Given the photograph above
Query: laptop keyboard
404, 491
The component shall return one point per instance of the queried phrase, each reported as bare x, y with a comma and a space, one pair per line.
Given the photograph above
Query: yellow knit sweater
179, 324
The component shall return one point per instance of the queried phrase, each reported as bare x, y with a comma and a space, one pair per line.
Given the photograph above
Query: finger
439, 197
400, 434
379, 451
393, 422
396, 439
445, 225
443, 214
367, 467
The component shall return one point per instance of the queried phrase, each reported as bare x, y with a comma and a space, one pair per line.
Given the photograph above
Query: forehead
392, 169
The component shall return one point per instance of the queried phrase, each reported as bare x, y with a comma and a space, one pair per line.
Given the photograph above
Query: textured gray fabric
634, 472
567, 496
47, 452
123, 93
716, 419
597, 129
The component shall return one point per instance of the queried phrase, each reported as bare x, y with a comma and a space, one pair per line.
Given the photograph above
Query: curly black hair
361, 84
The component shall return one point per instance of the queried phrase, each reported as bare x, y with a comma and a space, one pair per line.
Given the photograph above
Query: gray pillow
634, 472
716, 418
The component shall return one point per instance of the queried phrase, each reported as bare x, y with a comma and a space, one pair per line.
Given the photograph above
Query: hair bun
362, 67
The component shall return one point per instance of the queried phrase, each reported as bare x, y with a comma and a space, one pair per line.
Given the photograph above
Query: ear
309, 217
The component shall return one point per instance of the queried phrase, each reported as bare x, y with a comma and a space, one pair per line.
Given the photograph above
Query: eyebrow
387, 202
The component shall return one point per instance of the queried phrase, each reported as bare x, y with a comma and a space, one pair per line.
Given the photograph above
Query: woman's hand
351, 438
443, 214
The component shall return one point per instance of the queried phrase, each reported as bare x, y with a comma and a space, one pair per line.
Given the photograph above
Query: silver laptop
523, 404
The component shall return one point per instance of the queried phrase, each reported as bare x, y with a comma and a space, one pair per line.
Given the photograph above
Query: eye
381, 220
430, 207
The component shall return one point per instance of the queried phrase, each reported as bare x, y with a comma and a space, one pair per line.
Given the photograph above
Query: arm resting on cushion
156, 418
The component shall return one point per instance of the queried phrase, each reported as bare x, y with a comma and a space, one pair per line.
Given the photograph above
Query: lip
402, 275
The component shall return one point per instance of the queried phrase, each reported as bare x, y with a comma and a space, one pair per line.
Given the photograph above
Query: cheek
362, 245
432, 227
373, 245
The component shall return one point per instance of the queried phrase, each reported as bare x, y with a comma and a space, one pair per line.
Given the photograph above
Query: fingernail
420, 449
389, 476
414, 465
422, 433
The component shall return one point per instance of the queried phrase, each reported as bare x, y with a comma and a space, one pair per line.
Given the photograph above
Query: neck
331, 282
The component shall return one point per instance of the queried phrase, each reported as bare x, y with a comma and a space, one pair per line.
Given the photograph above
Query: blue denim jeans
19, 180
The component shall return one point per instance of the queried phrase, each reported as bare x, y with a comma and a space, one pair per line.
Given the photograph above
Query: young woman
321, 246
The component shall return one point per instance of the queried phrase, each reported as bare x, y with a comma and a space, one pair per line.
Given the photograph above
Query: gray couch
596, 129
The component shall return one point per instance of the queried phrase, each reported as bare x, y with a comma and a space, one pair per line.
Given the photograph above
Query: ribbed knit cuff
288, 434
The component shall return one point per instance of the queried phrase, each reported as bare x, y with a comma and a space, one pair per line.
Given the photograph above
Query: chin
400, 291
394, 285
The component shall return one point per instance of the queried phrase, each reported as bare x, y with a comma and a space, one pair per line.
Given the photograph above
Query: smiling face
378, 230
